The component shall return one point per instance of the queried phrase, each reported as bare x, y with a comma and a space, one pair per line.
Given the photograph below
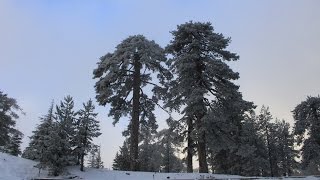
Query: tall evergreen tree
92, 157
58, 150
66, 118
286, 153
169, 143
53, 142
122, 160
99, 162
199, 56
13, 147
95, 160
265, 128
36, 150
87, 128
148, 150
9, 110
123, 75
41, 140
226, 134
254, 154
307, 128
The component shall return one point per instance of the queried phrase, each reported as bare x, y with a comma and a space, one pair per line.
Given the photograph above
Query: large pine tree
10, 137
307, 122
198, 61
122, 77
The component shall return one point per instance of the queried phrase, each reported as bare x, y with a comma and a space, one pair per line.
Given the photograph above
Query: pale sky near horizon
48, 49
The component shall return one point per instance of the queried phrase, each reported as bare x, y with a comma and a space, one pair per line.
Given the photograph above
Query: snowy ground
15, 168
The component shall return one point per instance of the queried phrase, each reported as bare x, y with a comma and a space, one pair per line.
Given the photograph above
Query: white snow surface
16, 168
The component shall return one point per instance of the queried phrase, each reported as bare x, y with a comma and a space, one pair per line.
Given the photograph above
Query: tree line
63, 137
190, 77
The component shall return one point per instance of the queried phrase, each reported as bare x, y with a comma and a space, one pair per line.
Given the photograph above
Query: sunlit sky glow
48, 49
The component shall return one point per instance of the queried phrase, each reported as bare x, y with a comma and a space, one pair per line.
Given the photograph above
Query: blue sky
48, 49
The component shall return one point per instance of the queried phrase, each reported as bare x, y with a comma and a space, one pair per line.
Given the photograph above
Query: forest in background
190, 76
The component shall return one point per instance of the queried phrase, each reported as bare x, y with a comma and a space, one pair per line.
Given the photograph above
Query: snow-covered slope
16, 168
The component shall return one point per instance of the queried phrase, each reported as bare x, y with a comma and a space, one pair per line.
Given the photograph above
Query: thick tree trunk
82, 162
202, 150
190, 146
134, 164
203, 165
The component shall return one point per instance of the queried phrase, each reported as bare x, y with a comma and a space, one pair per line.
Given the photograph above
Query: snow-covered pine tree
286, 153
149, 155
66, 118
253, 150
123, 75
87, 129
98, 161
169, 142
122, 160
13, 147
92, 157
54, 139
307, 122
9, 110
265, 128
278, 143
199, 56
95, 160
39, 140
224, 125
58, 150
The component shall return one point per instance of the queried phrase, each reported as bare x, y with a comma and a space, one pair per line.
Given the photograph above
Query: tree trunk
203, 165
269, 152
83, 149
190, 147
134, 165
168, 158
82, 162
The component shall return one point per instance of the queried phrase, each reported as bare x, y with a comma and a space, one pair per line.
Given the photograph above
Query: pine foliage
202, 79
63, 137
307, 128
95, 160
87, 128
122, 160
15, 140
10, 137
122, 77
